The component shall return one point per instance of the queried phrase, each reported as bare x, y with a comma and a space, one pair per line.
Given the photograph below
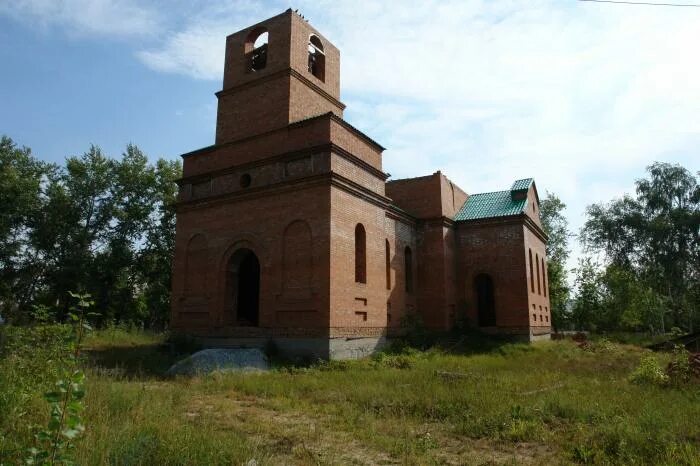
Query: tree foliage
556, 226
651, 243
98, 225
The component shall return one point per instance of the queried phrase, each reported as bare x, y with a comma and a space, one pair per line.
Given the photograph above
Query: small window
544, 278
387, 252
532, 275
408, 264
317, 59
256, 49
360, 254
534, 317
245, 180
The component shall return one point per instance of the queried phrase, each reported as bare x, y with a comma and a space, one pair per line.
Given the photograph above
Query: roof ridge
488, 192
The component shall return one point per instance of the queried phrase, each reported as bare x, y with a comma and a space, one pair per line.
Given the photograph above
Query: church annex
288, 230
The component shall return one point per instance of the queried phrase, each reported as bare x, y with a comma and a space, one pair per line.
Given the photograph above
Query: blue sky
581, 96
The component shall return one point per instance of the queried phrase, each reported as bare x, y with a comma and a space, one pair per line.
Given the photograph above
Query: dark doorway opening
243, 287
483, 286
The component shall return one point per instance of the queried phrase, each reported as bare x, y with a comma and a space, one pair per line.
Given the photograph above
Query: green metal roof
496, 204
522, 185
486, 205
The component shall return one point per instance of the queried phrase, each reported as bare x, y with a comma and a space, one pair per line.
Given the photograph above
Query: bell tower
276, 72
267, 215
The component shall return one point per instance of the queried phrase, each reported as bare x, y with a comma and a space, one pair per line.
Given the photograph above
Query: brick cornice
283, 73
521, 218
297, 124
347, 155
536, 229
356, 132
320, 148
396, 213
328, 178
440, 221
254, 193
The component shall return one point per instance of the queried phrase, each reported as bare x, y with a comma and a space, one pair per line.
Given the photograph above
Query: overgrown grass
546, 403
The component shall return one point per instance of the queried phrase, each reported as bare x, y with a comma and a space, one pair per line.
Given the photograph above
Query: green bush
679, 370
649, 372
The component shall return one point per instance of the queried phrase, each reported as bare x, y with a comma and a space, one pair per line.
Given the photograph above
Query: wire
693, 5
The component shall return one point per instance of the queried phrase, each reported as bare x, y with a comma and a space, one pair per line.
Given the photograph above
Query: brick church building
289, 231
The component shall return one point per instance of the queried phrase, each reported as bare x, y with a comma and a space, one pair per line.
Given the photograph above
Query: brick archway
242, 288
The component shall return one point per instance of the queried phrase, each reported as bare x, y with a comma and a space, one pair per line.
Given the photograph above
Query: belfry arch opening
485, 303
256, 49
317, 58
243, 288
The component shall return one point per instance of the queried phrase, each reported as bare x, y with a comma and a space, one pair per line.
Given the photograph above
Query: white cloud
581, 96
96, 17
198, 49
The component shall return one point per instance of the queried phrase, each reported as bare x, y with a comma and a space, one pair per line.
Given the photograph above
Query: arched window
544, 278
485, 302
532, 275
317, 59
360, 254
537, 264
256, 49
388, 264
408, 264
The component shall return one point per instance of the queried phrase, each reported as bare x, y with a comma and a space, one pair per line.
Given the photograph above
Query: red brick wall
260, 225
358, 146
254, 110
287, 48
494, 248
452, 197
290, 138
399, 302
356, 305
429, 196
284, 91
310, 183
538, 303
419, 196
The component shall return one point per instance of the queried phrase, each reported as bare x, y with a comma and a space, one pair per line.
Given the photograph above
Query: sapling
55, 441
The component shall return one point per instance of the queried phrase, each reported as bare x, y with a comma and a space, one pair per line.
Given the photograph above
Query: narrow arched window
360, 254
537, 264
544, 278
532, 275
256, 49
317, 59
408, 264
388, 264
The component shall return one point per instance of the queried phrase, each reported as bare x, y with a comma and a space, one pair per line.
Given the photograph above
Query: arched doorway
483, 288
243, 288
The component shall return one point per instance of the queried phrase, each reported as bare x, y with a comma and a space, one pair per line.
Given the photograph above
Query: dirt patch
294, 437
290, 437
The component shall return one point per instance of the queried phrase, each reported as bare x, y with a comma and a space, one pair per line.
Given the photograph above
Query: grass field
545, 403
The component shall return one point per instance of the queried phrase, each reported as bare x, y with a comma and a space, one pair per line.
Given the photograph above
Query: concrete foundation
306, 348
